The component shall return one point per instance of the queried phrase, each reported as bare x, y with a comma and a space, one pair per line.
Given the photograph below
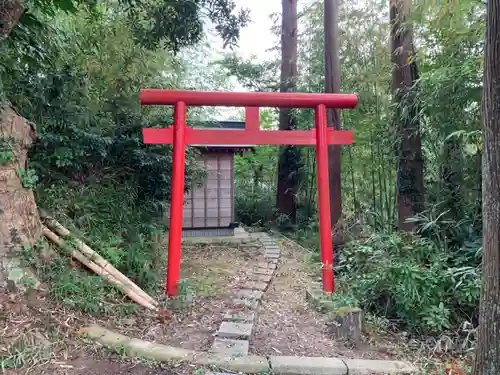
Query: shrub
407, 278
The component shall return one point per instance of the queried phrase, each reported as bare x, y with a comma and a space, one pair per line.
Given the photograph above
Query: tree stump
347, 324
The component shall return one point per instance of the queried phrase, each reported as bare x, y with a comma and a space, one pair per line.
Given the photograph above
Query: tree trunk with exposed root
20, 224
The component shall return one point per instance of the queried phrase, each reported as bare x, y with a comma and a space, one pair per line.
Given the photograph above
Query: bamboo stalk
97, 269
57, 227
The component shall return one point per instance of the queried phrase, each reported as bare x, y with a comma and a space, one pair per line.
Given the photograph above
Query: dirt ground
39, 332
287, 325
38, 337
213, 272
108, 366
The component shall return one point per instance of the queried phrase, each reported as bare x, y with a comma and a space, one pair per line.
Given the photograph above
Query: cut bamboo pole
57, 227
98, 269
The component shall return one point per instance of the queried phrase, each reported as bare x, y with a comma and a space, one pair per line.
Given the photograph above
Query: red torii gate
180, 135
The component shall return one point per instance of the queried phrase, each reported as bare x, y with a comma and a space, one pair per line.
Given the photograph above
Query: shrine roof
222, 125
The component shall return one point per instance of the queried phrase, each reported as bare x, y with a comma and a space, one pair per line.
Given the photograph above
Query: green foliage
255, 77
407, 278
426, 282
179, 23
75, 287
75, 67
112, 221
77, 76
6, 154
28, 178
255, 180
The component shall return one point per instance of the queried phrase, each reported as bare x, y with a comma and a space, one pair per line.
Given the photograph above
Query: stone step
230, 346
244, 302
272, 251
268, 265
256, 285
260, 278
239, 317
249, 294
266, 239
231, 330
272, 255
266, 253
263, 271
271, 246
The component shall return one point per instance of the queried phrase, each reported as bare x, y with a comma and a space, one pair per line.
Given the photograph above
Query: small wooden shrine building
209, 209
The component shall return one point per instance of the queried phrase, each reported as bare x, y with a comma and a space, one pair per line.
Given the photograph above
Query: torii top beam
247, 99
251, 101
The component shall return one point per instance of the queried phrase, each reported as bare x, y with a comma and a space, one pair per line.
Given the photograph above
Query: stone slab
268, 265
231, 330
272, 256
239, 231
268, 245
288, 365
243, 302
249, 294
239, 317
373, 366
272, 251
250, 364
266, 239
271, 245
263, 271
256, 285
230, 346
260, 278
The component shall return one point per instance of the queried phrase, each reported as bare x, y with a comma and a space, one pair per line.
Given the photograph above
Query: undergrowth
73, 286
408, 278
110, 219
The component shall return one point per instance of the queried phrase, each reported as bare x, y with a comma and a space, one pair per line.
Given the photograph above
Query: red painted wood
321, 137
177, 200
244, 137
325, 223
252, 118
246, 99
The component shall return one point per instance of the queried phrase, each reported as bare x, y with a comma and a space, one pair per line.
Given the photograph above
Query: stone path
235, 331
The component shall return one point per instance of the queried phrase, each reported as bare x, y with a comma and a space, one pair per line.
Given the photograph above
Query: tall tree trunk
332, 85
410, 180
19, 221
10, 14
289, 160
452, 178
488, 346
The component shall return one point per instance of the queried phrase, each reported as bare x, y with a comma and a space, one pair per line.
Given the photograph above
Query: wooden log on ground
347, 324
93, 256
97, 269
